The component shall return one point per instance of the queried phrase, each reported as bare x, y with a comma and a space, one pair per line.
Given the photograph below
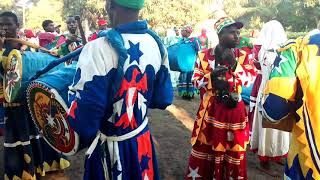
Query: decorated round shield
12, 76
49, 112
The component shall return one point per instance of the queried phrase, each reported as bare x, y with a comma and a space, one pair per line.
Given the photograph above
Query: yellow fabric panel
238, 68
308, 73
299, 146
283, 87
242, 58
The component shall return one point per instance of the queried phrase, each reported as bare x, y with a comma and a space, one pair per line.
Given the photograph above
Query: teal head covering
133, 4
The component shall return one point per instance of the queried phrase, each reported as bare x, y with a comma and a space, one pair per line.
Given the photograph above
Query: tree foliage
42, 10
295, 15
162, 14
89, 10
6, 4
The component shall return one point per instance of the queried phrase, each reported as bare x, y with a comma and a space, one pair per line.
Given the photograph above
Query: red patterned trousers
207, 164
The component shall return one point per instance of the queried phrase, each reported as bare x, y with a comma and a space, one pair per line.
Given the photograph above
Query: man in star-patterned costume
221, 133
119, 76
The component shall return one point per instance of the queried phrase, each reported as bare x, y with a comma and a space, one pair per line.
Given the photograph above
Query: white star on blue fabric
278, 61
134, 52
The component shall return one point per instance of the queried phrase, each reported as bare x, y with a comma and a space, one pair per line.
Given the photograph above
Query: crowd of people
125, 70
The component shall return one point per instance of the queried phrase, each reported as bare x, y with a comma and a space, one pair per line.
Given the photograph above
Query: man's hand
218, 71
72, 38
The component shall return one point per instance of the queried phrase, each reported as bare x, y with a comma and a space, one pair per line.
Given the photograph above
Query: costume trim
311, 140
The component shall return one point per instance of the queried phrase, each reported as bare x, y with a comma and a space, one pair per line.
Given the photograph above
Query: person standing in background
204, 41
57, 30
47, 37
102, 25
173, 37
72, 41
270, 144
185, 87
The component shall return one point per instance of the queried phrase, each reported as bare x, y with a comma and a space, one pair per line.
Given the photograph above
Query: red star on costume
73, 107
131, 88
145, 155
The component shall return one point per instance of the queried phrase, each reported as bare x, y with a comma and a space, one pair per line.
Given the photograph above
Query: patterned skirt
205, 163
185, 86
26, 154
220, 150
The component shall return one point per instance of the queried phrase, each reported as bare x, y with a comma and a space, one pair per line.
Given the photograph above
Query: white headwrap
271, 37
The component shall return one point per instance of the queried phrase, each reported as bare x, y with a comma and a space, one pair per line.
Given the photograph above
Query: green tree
295, 15
6, 4
42, 10
170, 13
89, 10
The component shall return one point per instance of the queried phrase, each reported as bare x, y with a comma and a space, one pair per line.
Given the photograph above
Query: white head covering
272, 36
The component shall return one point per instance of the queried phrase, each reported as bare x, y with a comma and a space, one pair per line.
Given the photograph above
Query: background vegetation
295, 15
